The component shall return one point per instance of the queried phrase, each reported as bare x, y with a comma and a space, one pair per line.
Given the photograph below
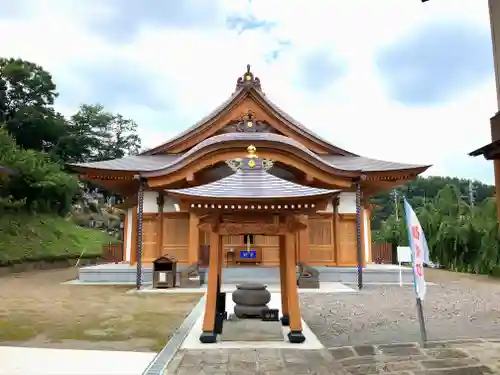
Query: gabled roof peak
248, 81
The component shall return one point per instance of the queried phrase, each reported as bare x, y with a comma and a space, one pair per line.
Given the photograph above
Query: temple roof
490, 152
252, 182
155, 163
248, 83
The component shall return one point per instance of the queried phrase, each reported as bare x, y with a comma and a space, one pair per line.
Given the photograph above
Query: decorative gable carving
247, 124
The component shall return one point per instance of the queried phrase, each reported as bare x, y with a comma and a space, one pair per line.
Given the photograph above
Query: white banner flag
419, 250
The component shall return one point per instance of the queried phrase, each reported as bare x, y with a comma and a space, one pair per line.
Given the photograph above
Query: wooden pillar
295, 335
194, 238
303, 236
209, 335
159, 222
285, 318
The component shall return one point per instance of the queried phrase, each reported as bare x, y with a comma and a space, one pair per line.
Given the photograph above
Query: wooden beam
234, 229
325, 173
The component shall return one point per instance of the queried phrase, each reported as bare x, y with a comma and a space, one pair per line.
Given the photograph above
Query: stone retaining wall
46, 265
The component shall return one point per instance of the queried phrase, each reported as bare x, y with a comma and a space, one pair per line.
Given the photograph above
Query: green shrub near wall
26, 237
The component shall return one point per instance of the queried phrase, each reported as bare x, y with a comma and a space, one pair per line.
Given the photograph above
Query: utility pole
472, 193
395, 196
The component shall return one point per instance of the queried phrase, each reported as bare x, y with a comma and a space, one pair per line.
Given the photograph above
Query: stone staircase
347, 275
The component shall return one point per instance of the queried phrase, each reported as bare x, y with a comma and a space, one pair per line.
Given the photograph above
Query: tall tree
94, 134
27, 94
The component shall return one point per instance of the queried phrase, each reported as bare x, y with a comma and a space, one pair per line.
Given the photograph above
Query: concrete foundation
126, 274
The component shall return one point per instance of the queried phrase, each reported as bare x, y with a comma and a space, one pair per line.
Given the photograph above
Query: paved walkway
467, 357
38, 361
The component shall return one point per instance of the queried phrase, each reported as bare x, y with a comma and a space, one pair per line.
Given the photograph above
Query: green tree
94, 134
27, 94
39, 182
461, 237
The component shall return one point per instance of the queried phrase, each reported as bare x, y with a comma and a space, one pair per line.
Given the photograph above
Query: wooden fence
112, 252
382, 253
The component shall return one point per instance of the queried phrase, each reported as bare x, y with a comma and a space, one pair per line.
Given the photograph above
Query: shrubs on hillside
38, 185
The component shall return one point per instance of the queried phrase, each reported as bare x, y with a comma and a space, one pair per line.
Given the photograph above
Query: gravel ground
459, 306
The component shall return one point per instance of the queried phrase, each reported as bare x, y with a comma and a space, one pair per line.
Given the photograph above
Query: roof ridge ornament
248, 81
250, 162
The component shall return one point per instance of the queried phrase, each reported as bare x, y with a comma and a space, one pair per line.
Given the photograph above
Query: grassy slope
26, 237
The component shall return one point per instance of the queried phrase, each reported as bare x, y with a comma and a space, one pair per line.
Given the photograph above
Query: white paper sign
162, 277
404, 254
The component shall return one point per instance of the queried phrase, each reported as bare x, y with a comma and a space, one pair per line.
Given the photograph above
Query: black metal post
359, 246
140, 211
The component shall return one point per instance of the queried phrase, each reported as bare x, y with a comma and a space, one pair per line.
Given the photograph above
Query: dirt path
37, 310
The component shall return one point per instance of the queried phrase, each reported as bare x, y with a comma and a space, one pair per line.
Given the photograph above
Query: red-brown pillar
295, 335
209, 335
285, 318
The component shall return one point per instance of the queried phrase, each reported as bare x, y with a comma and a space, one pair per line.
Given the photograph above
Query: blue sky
389, 79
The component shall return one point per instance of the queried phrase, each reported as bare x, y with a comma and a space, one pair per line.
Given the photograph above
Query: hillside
425, 189
28, 237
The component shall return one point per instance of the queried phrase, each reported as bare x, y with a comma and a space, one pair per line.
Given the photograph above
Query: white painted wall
347, 203
128, 245
151, 205
366, 235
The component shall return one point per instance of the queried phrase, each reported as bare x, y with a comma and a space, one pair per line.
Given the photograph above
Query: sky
397, 80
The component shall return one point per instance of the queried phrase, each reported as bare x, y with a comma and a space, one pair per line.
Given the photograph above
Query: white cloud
198, 69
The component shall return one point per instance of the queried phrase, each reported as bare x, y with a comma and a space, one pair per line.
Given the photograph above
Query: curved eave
90, 173
397, 174
272, 142
236, 198
490, 151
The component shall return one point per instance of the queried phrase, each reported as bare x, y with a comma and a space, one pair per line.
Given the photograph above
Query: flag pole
423, 329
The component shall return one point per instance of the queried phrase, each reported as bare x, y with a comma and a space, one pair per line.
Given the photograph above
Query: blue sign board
248, 254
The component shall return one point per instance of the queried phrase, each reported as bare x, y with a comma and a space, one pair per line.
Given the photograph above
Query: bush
27, 237
39, 182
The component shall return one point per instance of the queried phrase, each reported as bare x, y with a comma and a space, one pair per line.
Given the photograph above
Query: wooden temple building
248, 184
173, 192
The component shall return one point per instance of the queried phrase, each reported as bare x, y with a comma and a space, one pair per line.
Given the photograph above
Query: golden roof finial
251, 152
